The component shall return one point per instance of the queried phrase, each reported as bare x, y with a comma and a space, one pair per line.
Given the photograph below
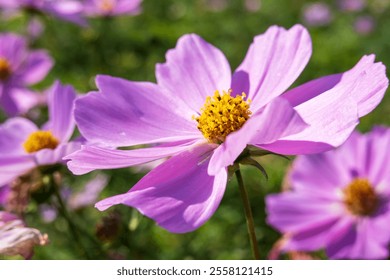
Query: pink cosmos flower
364, 25
339, 201
20, 68
16, 238
96, 8
203, 118
317, 14
67, 10
352, 5
24, 146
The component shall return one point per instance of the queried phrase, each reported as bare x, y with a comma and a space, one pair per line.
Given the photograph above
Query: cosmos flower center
39, 140
5, 69
360, 197
222, 114
106, 5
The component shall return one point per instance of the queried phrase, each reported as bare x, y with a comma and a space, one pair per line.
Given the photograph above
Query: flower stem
248, 215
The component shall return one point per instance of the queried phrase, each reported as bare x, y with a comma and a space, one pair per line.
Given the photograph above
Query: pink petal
276, 120
36, 67
60, 102
48, 156
178, 194
332, 106
13, 133
90, 158
273, 62
194, 70
294, 212
128, 113
13, 167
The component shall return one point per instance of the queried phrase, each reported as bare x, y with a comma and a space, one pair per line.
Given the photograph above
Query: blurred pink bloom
364, 25
106, 8
89, 194
24, 146
253, 5
16, 238
339, 200
216, 5
20, 68
351, 5
317, 14
35, 28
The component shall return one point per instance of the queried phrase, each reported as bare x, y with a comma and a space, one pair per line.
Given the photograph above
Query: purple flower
19, 68
364, 25
198, 115
351, 5
317, 14
339, 200
96, 8
67, 10
252, 5
24, 146
16, 238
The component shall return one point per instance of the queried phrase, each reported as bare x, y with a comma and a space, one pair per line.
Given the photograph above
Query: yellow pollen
106, 5
360, 197
222, 114
5, 69
39, 140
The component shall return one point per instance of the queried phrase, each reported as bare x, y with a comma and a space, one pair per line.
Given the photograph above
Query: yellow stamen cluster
223, 114
106, 5
39, 140
360, 197
5, 69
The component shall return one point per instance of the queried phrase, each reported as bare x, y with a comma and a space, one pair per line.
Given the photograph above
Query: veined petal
90, 158
194, 70
128, 113
278, 119
332, 106
273, 62
366, 79
61, 103
178, 194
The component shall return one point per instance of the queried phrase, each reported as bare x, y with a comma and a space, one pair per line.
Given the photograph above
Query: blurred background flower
339, 201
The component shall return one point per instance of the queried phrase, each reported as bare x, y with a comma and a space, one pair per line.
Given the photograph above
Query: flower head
95, 8
203, 118
24, 146
20, 68
339, 200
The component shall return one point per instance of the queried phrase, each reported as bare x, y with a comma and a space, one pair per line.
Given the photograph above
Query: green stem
64, 212
248, 215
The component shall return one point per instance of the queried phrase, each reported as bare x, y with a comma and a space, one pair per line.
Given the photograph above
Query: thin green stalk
248, 216
64, 212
